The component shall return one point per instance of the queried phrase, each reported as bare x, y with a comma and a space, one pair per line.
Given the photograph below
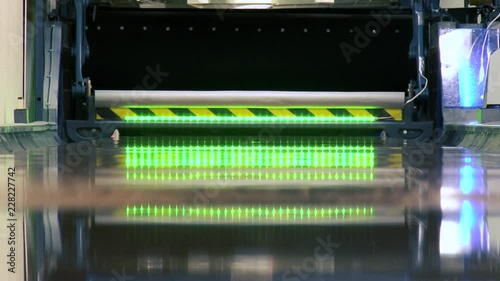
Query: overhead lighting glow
468, 233
471, 180
467, 179
253, 119
467, 85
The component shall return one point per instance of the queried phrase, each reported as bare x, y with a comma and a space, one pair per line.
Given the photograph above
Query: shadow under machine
319, 66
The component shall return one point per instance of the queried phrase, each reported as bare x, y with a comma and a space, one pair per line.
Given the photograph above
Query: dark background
246, 59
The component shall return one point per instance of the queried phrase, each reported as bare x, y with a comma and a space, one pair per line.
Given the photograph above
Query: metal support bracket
83, 130
419, 44
90, 103
81, 49
434, 7
53, 47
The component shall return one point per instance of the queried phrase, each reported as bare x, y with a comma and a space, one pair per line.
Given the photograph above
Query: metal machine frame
421, 116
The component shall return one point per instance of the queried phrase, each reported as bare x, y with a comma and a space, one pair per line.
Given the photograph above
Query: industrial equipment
329, 67
253, 124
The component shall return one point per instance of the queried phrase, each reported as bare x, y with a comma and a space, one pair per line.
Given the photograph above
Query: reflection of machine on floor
273, 233
349, 69
279, 252
430, 247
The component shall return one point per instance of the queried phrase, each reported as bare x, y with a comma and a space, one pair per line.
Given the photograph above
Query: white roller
111, 98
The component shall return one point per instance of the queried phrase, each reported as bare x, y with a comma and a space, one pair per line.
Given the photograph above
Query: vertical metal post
81, 233
418, 33
39, 58
80, 50
53, 44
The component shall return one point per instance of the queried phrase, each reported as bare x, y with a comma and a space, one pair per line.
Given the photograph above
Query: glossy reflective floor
248, 209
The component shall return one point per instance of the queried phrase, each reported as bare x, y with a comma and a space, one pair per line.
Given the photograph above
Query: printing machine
321, 66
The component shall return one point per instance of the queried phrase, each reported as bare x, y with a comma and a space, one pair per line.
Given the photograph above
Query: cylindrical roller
111, 98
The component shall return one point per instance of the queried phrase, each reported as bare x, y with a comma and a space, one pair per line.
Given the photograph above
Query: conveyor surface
238, 208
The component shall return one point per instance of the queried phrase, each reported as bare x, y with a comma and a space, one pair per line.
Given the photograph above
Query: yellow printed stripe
395, 160
123, 112
162, 112
320, 112
359, 112
201, 112
241, 112
281, 112
397, 114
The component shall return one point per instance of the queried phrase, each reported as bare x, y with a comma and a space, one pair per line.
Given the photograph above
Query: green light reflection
287, 213
250, 175
258, 156
252, 119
